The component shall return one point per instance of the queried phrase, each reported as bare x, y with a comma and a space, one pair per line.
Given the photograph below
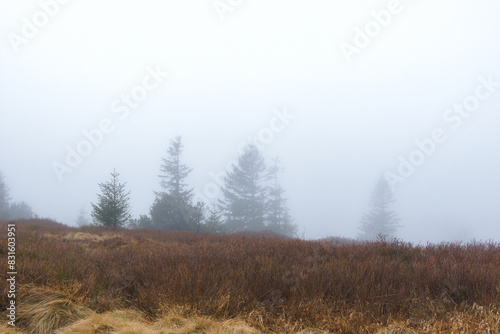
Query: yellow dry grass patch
77, 236
396, 330
5, 329
110, 322
108, 239
128, 322
41, 311
81, 236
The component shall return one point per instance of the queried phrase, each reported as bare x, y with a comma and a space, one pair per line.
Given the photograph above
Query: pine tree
4, 199
380, 220
244, 195
278, 215
197, 216
173, 208
21, 210
168, 214
215, 221
113, 208
82, 219
144, 222
289, 227
173, 173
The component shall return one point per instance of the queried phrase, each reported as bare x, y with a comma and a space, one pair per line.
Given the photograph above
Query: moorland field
101, 280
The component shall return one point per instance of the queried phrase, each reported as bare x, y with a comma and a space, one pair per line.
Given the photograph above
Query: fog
284, 72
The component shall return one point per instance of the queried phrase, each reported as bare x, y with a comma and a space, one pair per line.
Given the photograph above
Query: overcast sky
340, 91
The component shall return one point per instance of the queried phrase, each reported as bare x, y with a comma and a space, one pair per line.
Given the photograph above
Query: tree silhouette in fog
173, 208
244, 193
4, 199
81, 218
380, 221
174, 173
21, 210
278, 215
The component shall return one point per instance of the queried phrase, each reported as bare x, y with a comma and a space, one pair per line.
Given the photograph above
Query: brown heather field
95, 280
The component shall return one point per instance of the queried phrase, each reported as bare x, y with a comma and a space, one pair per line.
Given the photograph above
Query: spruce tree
244, 195
143, 222
214, 223
168, 214
81, 218
173, 208
380, 221
174, 173
21, 210
4, 199
279, 219
112, 208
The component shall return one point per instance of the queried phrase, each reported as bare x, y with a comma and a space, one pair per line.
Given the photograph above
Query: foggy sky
350, 121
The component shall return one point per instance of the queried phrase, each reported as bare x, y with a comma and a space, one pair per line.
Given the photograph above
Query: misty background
226, 80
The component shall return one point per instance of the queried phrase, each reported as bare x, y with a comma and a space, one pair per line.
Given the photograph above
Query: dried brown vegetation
273, 284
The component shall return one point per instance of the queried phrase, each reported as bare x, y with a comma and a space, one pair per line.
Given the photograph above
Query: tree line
252, 199
13, 210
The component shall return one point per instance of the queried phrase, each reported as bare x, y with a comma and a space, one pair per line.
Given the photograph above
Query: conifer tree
4, 199
174, 173
173, 208
380, 221
143, 222
81, 218
278, 215
214, 223
112, 208
21, 210
244, 195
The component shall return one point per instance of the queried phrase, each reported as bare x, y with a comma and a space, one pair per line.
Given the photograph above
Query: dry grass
180, 282
396, 330
42, 311
81, 236
131, 322
45, 311
4, 329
